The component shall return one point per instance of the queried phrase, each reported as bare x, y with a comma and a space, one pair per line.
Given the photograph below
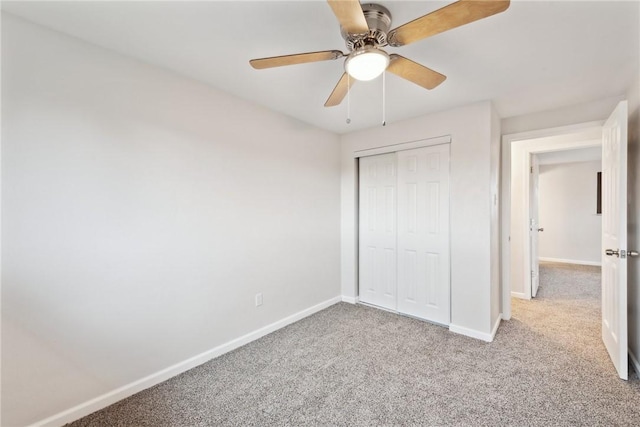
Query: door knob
540, 229
632, 253
611, 252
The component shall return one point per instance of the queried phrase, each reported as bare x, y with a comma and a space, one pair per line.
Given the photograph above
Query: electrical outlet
258, 299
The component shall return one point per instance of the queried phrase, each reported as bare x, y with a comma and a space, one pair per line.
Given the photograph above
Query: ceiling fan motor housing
379, 21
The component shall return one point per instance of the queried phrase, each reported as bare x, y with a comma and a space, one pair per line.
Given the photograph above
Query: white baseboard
472, 332
634, 362
520, 295
350, 300
571, 261
130, 389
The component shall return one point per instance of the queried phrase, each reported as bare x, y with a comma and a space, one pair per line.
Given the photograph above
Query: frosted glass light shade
366, 63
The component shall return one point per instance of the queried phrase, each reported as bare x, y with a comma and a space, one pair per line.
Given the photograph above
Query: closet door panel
423, 233
377, 231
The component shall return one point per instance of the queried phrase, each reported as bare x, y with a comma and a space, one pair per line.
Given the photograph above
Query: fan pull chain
348, 99
384, 98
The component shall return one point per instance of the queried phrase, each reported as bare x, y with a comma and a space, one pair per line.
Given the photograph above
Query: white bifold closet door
404, 238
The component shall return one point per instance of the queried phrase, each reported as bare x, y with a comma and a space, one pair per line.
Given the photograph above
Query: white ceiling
537, 55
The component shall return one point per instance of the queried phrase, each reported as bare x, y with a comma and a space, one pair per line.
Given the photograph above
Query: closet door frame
387, 149
392, 148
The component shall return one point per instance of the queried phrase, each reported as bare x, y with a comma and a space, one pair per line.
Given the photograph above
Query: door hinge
532, 273
531, 169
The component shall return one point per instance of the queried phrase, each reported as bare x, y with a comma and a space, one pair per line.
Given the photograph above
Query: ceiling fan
365, 29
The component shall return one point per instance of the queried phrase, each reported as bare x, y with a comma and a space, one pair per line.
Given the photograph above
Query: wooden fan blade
350, 15
451, 16
340, 91
414, 72
300, 58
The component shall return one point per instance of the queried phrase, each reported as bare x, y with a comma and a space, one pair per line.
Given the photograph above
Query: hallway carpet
356, 365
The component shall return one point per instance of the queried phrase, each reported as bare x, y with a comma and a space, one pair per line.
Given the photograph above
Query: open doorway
567, 225
519, 157
519, 213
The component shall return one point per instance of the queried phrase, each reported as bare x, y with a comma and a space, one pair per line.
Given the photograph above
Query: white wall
567, 212
471, 199
564, 116
633, 220
141, 213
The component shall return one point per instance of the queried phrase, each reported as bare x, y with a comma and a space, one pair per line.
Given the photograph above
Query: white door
614, 238
423, 233
377, 247
534, 223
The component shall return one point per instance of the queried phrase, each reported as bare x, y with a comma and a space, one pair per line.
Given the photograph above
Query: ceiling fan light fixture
366, 63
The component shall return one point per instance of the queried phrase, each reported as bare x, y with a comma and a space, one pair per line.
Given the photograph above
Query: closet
404, 261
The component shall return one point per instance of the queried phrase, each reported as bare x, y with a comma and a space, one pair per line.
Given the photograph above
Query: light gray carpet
354, 365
